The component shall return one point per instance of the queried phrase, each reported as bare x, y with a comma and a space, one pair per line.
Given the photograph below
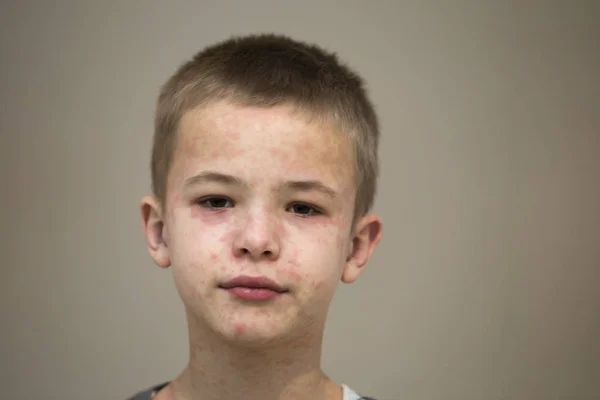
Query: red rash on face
264, 148
240, 329
293, 259
293, 275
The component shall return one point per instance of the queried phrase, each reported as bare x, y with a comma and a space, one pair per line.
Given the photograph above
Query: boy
264, 168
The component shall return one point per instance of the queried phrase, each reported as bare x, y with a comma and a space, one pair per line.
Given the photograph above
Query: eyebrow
231, 180
213, 177
307, 186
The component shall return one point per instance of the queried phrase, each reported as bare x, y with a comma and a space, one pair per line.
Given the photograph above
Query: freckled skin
305, 254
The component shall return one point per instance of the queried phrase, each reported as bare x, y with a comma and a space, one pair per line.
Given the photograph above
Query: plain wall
486, 283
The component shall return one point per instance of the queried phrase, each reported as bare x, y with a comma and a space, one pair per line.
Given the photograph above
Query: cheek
317, 285
226, 238
314, 265
215, 261
293, 270
196, 254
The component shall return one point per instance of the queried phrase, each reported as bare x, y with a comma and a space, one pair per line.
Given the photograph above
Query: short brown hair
267, 70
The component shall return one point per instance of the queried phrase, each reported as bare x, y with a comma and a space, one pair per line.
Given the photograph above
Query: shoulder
147, 394
349, 394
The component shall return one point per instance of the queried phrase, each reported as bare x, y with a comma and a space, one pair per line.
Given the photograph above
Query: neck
219, 369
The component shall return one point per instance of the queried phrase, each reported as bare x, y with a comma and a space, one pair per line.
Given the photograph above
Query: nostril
247, 251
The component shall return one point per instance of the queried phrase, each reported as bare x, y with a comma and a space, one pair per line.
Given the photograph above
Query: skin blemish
240, 329
293, 275
293, 261
227, 237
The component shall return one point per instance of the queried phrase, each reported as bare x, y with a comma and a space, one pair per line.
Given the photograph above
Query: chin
254, 325
252, 336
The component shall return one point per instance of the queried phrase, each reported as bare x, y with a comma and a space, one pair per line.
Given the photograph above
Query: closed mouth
259, 282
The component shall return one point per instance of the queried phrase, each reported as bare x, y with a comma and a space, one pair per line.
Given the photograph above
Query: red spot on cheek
293, 261
294, 275
226, 237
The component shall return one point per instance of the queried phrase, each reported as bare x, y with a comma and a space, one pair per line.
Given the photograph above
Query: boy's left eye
304, 210
216, 203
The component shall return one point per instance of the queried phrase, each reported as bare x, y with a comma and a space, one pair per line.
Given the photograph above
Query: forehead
262, 143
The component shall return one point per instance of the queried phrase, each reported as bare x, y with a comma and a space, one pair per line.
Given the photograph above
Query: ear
155, 231
365, 238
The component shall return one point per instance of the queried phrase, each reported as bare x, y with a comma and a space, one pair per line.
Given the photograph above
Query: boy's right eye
215, 202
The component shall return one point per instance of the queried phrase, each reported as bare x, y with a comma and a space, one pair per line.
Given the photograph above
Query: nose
257, 237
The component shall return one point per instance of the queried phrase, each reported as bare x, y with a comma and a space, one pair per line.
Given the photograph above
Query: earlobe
366, 237
155, 231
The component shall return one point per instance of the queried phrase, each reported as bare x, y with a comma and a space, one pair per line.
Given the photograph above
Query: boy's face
259, 192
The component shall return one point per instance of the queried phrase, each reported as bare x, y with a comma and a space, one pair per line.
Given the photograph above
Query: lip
253, 282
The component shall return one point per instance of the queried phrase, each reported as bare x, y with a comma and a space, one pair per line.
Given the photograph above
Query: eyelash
205, 203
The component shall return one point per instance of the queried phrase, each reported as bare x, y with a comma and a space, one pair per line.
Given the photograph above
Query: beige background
486, 283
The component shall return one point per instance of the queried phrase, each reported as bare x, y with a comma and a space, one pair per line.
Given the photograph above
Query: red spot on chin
240, 329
